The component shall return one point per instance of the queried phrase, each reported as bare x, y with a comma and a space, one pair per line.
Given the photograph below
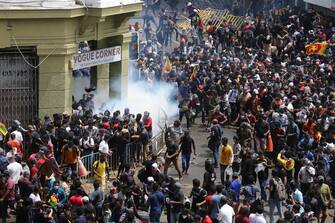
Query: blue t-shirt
236, 186
156, 200
215, 204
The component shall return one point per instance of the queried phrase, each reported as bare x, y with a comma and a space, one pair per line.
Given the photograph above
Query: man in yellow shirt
100, 170
226, 159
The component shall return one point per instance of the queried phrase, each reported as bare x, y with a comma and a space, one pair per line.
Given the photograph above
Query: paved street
197, 168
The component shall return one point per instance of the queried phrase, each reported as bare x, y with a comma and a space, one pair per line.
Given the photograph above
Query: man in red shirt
8, 197
147, 122
77, 199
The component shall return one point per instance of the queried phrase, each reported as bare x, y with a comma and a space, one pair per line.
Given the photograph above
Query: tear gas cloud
157, 99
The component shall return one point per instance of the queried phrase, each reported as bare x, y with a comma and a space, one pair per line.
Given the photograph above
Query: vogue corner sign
97, 57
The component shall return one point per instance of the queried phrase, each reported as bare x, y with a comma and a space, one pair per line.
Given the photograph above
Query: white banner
323, 3
97, 57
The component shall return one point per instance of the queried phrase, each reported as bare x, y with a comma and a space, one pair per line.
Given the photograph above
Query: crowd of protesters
256, 79
259, 80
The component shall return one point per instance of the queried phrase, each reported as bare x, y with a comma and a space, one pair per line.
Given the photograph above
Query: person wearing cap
89, 209
325, 197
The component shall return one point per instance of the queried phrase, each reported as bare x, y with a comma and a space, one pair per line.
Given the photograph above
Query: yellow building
38, 41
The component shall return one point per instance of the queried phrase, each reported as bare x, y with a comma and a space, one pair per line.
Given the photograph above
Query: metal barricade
134, 153
88, 161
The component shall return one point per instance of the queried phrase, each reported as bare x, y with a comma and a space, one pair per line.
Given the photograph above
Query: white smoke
142, 96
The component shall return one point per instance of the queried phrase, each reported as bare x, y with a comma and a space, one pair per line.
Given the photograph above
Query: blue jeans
174, 216
222, 173
216, 154
272, 204
185, 161
262, 183
3, 209
155, 217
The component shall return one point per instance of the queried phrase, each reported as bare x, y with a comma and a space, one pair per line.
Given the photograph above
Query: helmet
215, 121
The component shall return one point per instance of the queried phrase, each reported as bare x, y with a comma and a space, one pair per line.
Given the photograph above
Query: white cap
155, 165
85, 199
189, 3
150, 179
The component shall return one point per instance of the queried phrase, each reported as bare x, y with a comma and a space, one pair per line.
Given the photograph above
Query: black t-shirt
178, 196
171, 149
186, 217
196, 197
186, 144
261, 128
210, 179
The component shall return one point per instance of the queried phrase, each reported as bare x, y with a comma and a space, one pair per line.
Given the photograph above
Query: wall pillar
119, 70
102, 76
55, 79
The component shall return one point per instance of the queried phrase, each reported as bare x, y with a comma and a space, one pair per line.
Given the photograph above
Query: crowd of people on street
260, 80
256, 79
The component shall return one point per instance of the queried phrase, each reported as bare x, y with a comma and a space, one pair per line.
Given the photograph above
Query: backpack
280, 190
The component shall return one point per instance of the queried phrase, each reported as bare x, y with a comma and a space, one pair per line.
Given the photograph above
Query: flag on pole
194, 73
167, 66
316, 48
3, 129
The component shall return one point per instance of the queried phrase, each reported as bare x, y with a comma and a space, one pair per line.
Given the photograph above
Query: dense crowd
256, 79
259, 80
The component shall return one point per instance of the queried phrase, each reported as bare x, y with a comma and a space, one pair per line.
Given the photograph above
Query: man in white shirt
103, 146
18, 135
257, 217
226, 214
15, 169
306, 176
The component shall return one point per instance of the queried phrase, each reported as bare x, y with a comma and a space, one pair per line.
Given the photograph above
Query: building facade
38, 41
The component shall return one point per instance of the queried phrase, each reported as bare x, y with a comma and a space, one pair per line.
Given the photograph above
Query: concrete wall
56, 34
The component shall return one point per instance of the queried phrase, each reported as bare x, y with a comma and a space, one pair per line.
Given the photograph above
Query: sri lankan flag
3, 129
167, 66
316, 48
194, 73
